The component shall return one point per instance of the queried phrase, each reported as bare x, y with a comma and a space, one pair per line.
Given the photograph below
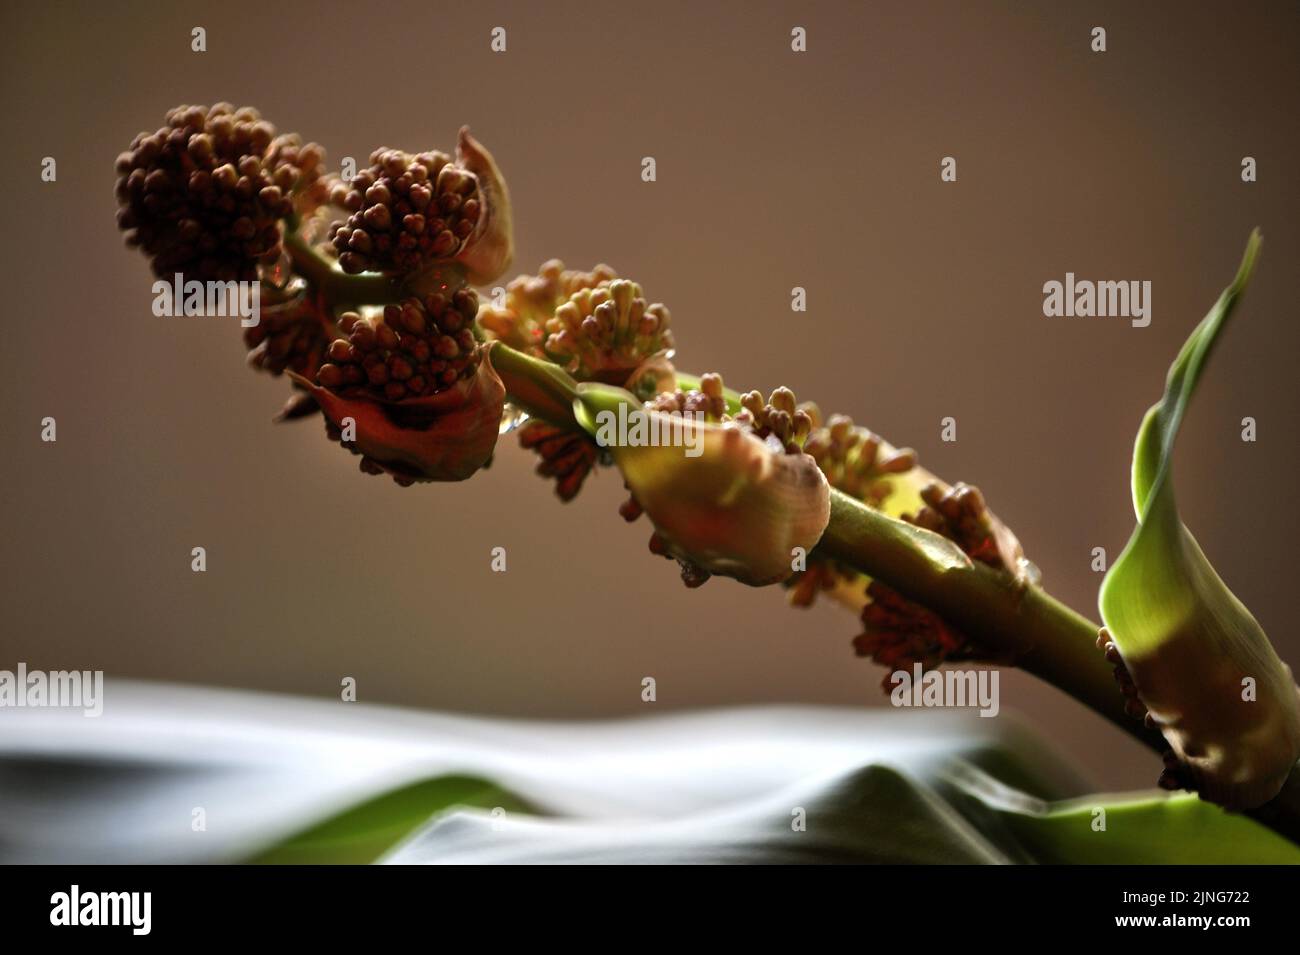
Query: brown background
775, 170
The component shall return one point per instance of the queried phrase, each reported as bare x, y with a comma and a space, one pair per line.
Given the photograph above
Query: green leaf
361, 834
1202, 664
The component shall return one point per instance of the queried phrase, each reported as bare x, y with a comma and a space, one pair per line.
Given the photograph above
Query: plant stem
1014, 621
335, 285
541, 388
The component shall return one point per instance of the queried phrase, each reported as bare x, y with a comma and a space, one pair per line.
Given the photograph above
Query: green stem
335, 285
541, 388
1014, 621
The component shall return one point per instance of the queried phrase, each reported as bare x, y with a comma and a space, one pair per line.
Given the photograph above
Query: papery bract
490, 249
738, 508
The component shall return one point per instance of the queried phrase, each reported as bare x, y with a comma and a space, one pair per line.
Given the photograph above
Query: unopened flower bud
412, 211
290, 336
567, 456
412, 349
899, 633
206, 194
531, 300
604, 333
403, 419
960, 514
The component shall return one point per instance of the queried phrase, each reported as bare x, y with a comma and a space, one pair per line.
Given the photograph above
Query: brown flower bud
411, 211
899, 633
567, 456
205, 195
531, 300
960, 514
446, 435
412, 349
604, 333
291, 336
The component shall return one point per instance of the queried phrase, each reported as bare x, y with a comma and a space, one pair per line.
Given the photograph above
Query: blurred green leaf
1163, 830
362, 833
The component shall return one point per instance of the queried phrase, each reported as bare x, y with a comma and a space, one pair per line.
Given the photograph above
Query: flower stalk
333, 284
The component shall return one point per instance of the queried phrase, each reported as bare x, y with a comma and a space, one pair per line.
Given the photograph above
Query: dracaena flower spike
597, 326
899, 633
567, 457
960, 514
1198, 660
411, 212
727, 495
865, 466
299, 170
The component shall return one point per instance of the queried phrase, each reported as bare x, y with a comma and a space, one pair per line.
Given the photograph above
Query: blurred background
775, 170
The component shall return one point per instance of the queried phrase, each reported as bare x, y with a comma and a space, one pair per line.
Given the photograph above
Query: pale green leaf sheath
1202, 665
722, 500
